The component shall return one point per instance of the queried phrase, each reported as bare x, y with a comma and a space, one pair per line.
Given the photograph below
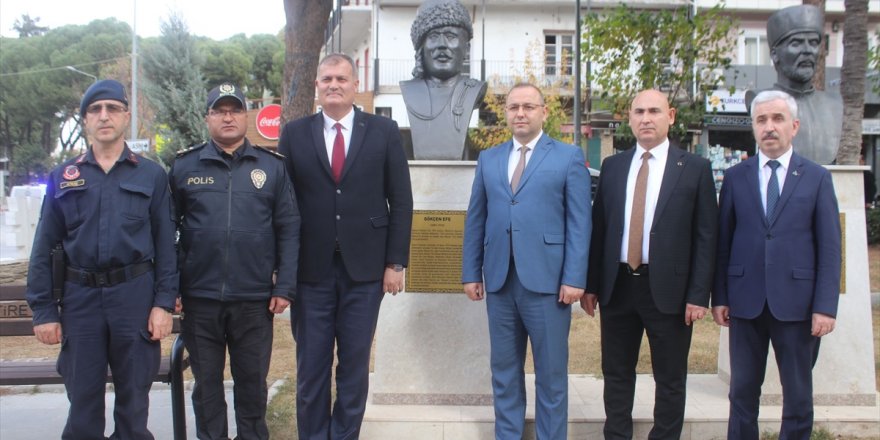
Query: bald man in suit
652, 274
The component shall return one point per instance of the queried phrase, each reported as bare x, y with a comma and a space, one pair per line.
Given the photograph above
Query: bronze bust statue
795, 34
439, 100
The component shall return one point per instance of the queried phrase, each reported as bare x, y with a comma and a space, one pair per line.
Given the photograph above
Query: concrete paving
705, 415
29, 412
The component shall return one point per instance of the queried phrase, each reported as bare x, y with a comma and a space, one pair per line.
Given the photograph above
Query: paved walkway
705, 416
39, 413
28, 415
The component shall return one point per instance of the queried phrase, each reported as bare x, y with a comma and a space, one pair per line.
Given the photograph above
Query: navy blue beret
103, 89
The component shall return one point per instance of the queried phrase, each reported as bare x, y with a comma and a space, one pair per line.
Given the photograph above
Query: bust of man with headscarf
439, 100
795, 35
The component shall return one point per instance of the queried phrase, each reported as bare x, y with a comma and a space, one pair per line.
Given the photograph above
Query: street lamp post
134, 76
74, 69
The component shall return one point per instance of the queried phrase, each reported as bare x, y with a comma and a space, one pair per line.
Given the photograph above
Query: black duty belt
108, 278
637, 272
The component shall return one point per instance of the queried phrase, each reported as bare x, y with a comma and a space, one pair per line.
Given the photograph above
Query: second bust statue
439, 99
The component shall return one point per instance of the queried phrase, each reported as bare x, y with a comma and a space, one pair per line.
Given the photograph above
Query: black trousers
245, 327
630, 313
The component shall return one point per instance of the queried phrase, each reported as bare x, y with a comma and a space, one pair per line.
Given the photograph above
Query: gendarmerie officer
239, 224
111, 210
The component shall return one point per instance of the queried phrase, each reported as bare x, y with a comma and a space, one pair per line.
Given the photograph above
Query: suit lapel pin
794, 173
680, 163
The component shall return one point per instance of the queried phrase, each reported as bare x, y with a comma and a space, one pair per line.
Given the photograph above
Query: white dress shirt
347, 123
764, 173
513, 159
656, 168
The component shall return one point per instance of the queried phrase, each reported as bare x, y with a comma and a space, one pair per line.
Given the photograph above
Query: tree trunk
46, 139
303, 38
852, 80
819, 77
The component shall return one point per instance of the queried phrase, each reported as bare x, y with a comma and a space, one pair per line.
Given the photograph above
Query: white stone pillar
433, 348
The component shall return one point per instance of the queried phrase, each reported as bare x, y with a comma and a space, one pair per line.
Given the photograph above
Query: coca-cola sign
269, 122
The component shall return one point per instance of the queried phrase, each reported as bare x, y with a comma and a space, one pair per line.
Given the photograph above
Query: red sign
269, 121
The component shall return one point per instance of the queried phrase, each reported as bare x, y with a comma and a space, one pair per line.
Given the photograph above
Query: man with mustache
440, 100
239, 242
111, 210
778, 269
795, 35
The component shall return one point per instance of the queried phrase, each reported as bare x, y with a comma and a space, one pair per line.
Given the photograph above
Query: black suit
679, 271
350, 231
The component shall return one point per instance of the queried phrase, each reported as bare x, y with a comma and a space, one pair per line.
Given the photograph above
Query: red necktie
338, 160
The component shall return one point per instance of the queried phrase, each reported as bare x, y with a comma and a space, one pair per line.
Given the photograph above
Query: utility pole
134, 70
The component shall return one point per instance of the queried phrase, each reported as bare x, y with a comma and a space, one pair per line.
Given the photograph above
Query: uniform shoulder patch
270, 151
186, 151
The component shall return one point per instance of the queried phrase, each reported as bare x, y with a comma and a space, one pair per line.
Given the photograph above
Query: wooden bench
15, 320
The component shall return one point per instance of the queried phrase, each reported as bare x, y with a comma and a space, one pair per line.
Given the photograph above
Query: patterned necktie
520, 166
338, 159
772, 191
637, 216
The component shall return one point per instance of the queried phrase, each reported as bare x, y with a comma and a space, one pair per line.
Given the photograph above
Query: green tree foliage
496, 131
30, 164
39, 94
874, 62
224, 62
267, 58
632, 50
28, 27
175, 87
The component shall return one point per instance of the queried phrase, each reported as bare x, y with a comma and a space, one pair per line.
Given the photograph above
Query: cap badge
258, 176
227, 89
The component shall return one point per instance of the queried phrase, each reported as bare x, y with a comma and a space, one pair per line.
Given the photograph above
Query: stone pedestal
433, 348
844, 373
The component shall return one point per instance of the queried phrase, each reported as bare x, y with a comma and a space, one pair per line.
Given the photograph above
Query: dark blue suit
773, 277
350, 231
526, 244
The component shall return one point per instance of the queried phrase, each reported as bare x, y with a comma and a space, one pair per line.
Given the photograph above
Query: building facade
515, 39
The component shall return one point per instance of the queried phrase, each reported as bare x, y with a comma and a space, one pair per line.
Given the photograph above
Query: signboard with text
269, 122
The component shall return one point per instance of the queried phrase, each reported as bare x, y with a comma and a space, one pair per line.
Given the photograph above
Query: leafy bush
872, 218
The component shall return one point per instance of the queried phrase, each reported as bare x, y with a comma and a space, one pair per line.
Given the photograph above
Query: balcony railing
499, 73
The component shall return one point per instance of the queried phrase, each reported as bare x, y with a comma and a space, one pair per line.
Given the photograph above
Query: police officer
239, 230
111, 211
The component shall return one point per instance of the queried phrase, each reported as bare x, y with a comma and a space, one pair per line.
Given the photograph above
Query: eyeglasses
224, 113
112, 109
528, 108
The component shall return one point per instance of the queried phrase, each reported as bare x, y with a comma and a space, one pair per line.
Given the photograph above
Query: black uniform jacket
238, 222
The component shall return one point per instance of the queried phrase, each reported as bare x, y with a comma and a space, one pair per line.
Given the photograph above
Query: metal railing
499, 73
